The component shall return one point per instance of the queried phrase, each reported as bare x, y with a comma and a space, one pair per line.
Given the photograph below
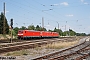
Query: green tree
64, 33
71, 32
23, 28
16, 30
43, 29
58, 30
38, 28
31, 27
80, 34
88, 34
50, 30
1, 24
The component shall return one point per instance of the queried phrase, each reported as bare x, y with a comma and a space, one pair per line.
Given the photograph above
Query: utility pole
65, 28
42, 23
4, 20
58, 25
43, 18
69, 31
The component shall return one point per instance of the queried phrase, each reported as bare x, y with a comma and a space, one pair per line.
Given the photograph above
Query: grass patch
17, 53
60, 45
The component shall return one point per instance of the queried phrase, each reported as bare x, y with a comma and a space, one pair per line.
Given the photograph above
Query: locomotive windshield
20, 31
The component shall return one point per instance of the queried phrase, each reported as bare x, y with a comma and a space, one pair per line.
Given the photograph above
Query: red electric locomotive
55, 34
45, 34
29, 34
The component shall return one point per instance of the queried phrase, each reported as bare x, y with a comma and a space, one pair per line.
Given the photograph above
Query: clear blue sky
75, 14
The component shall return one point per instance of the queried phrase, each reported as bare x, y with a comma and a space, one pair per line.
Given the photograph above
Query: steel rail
52, 55
26, 45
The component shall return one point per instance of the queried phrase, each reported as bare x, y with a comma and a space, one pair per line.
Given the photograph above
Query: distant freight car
30, 34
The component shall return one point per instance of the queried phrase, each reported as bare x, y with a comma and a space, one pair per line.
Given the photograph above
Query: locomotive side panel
31, 34
46, 34
49, 34
55, 34
28, 34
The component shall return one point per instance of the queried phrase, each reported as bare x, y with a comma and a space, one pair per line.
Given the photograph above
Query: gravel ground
27, 54
30, 53
37, 53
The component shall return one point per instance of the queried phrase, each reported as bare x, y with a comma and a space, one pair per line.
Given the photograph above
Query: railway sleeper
82, 57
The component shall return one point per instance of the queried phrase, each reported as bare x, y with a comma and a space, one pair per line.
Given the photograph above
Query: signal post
11, 30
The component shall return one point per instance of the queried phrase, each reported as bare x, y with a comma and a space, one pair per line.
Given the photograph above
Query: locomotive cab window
20, 31
25, 31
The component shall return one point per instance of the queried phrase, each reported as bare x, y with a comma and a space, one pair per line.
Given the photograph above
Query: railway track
7, 47
19, 42
83, 54
72, 53
16, 40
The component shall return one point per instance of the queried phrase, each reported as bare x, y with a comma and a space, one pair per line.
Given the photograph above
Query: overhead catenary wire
35, 7
35, 12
